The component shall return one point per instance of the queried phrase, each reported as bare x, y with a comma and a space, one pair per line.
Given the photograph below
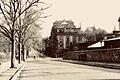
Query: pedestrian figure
34, 57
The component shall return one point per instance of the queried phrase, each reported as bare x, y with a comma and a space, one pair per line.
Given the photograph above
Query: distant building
65, 32
111, 40
112, 43
116, 33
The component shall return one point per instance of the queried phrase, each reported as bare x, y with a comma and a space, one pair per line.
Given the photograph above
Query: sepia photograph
59, 39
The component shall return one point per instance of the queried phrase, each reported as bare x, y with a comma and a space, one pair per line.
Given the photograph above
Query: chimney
119, 23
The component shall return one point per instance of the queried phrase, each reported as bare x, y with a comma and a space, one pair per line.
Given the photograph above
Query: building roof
64, 22
98, 44
109, 34
117, 38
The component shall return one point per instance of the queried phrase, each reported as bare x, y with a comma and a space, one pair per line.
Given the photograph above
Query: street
49, 69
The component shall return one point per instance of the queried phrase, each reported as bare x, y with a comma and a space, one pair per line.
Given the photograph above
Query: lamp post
119, 23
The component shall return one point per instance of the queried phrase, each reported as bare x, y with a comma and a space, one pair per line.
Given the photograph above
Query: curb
17, 73
104, 65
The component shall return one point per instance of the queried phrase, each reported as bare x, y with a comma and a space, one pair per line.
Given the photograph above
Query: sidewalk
4, 66
7, 73
96, 64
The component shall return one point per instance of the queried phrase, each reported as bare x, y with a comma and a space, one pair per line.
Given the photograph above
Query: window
60, 30
61, 45
67, 39
72, 30
74, 39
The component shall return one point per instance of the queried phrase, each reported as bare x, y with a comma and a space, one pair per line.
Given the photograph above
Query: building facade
65, 33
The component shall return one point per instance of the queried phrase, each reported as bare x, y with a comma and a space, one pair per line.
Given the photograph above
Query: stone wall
98, 55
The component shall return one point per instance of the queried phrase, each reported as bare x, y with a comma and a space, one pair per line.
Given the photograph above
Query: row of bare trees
20, 21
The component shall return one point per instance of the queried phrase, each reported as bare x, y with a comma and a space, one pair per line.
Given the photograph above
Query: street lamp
101, 42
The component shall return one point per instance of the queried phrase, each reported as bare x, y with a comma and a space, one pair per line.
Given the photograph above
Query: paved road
48, 69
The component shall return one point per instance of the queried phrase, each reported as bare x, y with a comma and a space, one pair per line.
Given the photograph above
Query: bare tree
93, 34
28, 26
11, 10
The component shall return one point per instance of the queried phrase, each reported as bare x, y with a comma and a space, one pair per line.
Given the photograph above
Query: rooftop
98, 44
117, 38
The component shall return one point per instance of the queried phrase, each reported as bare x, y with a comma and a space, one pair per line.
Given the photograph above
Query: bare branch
30, 5
5, 16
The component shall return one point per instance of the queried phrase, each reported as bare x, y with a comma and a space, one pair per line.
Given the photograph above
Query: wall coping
96, 50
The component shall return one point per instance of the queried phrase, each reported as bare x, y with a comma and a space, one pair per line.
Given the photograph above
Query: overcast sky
101, 13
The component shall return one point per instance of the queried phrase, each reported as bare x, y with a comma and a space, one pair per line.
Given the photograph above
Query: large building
65, 32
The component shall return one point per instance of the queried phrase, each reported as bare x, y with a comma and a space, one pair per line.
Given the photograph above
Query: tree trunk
27, 53
13, 52
19, 51
23, 52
